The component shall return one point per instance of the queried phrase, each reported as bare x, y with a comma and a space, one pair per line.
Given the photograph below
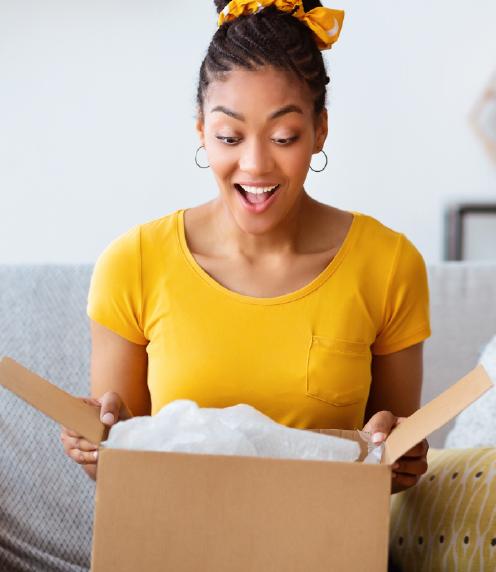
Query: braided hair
268, 38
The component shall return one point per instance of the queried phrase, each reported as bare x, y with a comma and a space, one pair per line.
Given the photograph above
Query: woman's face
259, 131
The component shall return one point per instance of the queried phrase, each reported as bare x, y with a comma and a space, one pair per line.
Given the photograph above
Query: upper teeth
257, 190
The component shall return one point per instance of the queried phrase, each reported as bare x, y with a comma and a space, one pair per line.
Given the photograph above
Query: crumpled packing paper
374, 451
182, 426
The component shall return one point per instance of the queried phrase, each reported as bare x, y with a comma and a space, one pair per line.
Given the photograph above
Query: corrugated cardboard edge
61, 406
436, 413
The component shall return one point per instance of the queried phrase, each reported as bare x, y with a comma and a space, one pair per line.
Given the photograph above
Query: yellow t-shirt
303, 358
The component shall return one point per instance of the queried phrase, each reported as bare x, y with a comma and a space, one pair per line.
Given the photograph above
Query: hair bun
221, 4
311, 4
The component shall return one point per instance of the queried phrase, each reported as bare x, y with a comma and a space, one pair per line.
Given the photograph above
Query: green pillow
448, 520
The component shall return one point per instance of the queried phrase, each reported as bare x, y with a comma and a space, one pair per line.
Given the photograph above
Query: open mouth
260, 196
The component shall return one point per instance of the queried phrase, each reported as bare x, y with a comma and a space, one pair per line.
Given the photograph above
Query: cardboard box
184, 512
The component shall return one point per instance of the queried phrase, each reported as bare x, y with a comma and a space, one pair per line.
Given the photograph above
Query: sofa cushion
448, 521
46, 500
476, 425
463, 318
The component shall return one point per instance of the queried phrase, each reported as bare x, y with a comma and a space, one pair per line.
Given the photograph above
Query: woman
314, 315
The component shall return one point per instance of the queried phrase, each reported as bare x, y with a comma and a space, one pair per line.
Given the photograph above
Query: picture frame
471, 232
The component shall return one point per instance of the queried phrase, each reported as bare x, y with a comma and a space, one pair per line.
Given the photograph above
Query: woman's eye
285, 141
236, 140
228, 140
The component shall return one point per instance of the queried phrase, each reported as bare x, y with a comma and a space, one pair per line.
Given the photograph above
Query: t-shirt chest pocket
338, 371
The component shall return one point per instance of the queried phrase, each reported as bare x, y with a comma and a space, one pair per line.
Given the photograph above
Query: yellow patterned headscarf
325, 23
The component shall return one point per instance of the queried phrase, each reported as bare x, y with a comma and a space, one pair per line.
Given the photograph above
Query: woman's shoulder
151, 231
127, 248
385, 249
374, 228
161, 227
382, 239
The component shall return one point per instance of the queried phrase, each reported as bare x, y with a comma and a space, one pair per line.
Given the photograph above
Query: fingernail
376, 437
108, 418
95, 454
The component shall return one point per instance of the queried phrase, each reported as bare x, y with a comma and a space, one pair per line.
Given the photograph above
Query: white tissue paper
182, 426
374, 451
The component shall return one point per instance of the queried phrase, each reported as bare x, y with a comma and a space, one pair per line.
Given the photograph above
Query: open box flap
61, 406
74, 414
436, 413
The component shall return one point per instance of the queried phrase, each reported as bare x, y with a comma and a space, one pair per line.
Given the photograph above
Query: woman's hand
85, 453
408, 468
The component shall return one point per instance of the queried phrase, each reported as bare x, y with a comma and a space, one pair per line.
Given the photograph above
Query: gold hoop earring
196, 158
325, 165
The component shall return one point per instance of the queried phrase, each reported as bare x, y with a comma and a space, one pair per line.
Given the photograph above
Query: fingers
68, 432
78, 448
407, 470
415, 467
380, 425
113, 408
82, 457
413, 464
75, 445
402, 481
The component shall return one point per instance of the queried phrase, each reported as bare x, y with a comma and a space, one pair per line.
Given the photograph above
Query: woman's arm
396, 382
394, 395
120, 366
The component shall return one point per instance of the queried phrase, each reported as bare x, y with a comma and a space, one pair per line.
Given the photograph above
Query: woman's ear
321, 129
200, 128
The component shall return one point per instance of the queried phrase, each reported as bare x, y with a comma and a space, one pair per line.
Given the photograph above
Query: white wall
97, 102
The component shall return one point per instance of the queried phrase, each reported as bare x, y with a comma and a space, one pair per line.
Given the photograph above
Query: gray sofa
46, 501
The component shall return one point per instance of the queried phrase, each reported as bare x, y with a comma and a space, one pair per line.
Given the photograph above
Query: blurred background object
471, 231
484, 118
470, 227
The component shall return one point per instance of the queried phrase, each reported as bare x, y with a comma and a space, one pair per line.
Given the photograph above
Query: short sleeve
406, 317
115, 294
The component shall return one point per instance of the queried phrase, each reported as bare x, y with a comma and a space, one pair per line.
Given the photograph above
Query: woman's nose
256, 159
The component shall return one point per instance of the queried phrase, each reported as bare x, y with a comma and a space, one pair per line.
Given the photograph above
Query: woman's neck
285, 238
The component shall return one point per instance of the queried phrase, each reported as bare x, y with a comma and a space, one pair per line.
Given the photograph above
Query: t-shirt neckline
283, 298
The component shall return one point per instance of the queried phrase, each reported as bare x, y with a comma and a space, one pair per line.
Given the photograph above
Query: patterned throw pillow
447, 522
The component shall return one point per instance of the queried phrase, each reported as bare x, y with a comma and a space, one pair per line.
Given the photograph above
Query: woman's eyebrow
291, 108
